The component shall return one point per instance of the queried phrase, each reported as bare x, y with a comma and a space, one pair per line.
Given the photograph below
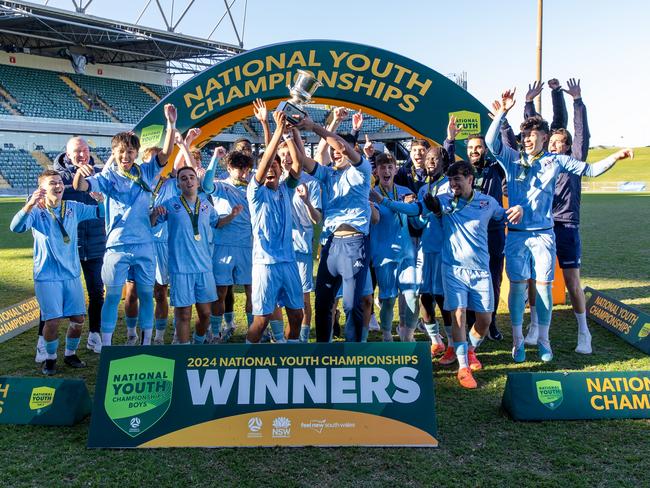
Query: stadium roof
46, 31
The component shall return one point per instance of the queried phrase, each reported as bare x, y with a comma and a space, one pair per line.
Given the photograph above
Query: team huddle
429, 234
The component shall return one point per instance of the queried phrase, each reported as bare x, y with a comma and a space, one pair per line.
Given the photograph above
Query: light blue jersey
464, 226
346, 195
167, 190
271, 219
303, 227
389, 238
238, 233
54, 259
431, 239
186, 254
127, 203
531, 180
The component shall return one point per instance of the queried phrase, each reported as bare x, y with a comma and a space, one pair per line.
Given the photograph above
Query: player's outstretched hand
453, 129
554, 84
220, 152
535, 89
340, 114
624, 154
36, 200
236, 210
357, 120
86, 170
515, 214
191, 135
432, 203
574, 88
508, 100
170, 113
280, 120
368, 147
303, 192
306, 124
259, 110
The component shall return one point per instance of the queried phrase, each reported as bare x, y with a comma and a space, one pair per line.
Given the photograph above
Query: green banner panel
340, 394
18, 318
629, 324
578, 395
43, 401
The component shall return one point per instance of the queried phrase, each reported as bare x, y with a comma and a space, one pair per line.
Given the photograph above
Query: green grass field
480, 445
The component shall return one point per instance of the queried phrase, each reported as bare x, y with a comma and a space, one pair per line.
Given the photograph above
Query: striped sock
51, 347
277, 329
198, 339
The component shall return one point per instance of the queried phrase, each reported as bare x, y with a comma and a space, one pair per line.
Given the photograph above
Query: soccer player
566, 201
429, 265
530, 244
306, 206
233, 241
392, 251
57, 272
490, 180
465, 216
191, 219
275, 273
128, 189
344, 259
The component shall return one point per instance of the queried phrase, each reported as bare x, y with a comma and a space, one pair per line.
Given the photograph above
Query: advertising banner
578, 395
18, 318
369, 394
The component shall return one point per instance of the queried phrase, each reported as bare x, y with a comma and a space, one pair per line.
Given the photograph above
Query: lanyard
156, 190
194, 217
383, 192
414, 173
526, 164
437, 184
454, 204
137, 179
59, 221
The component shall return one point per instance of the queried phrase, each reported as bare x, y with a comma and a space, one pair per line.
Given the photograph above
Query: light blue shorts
429, 273
162, 262
129, 260
394, 277
467, 288
530, 254
367, 289
276, 284
306, 271
232, 265
58, 299
190, 288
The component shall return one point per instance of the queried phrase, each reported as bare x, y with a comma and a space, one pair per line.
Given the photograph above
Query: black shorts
568, 245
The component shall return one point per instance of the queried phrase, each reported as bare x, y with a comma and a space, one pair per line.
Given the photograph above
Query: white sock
146, 337
131, 331
543, 334
107, 338
160, 334
68, 352
517, 335
583, 328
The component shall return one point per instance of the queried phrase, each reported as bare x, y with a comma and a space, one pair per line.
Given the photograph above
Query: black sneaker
74, 361
49, 367
494, 333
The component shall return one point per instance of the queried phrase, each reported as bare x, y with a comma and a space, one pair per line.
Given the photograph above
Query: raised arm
79, 182
581, 136
168, 145
533, 92
261, 114
449, 144
505, 155
334, 140
600, 167
560, 115
208, 178
184, 156
272, 147
225, 220
357, 123
315, 214
322, 154
20, 220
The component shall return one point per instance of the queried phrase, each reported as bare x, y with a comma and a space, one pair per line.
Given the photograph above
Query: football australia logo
138, 392
549, 393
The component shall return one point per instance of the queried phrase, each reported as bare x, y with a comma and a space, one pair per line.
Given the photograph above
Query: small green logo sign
644, 331
139, 392
151, 136
549, 393
470, 121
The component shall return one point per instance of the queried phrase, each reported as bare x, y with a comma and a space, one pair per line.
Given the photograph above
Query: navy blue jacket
91, 234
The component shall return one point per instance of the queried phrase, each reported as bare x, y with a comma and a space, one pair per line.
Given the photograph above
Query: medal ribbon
137, 179
383, 192
454, 204
194, 217
437, 184
526, 164
59, 221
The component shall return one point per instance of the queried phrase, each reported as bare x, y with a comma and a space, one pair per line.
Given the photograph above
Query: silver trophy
301, 93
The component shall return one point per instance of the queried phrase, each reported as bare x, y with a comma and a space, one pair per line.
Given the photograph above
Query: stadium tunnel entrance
389, 86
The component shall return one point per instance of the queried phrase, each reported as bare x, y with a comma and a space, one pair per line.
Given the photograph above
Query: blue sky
605, 44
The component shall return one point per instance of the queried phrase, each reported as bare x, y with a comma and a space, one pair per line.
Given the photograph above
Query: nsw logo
281, 427
549, 393
138, 392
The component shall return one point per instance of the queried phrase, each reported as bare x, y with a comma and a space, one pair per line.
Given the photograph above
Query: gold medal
197, 237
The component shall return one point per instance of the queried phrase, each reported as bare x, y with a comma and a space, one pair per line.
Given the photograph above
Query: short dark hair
125, 138
420, 142
347, 137
536, 122
185, 168
240, 140
476, 136
441, 155
47, 173
566, 134
383, 158
462, 168
238, 159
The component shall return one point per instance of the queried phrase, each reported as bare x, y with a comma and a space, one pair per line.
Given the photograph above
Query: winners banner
340, 394
629, 324
18, 318
578, 395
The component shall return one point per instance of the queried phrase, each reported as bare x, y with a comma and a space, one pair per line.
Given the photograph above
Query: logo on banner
281, 427
41, 397
644, 331
470, 121
139, 392
254, 427
549, 393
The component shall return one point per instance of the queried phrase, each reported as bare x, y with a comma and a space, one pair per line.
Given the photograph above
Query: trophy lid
304, 87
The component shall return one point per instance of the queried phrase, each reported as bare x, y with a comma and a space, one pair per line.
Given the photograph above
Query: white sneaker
387, 336
94, 342
374, 325
532, 336
159, 341
132, 340
175, 338
584, 343
41, 353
